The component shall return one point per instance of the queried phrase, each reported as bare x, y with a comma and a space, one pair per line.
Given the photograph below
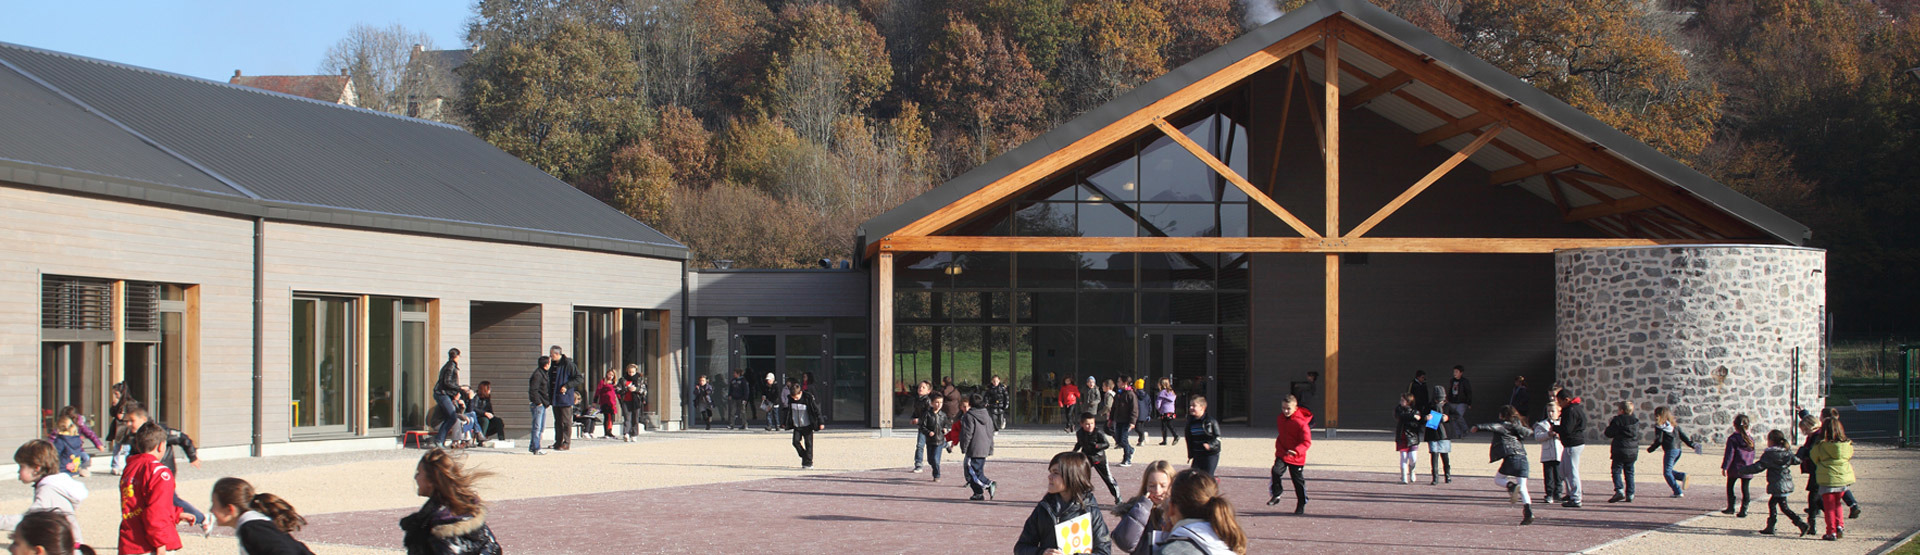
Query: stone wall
1707, 330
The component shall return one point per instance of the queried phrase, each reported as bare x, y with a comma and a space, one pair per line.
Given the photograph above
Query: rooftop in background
101, 128
337, 89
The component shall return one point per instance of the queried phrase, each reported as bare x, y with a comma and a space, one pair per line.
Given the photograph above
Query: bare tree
376, 59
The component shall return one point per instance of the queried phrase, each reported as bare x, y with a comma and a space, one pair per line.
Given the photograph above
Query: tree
1120, 49
1199, 27
686, 144
825, 61
562, 102
375, 58
641, 181
981, 86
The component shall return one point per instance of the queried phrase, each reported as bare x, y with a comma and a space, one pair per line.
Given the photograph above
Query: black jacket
565, 375
934, 425
1509, 439
1441, 432
480, 406
261, 537
1520, 401
633, 400
1460, 391
1670, 441
738, 389
1203, 431
1410, 424
1422, 395
997, 397
1573, 425
812, 409
176, 438
1093, 444
1126, 406
976, 433
1624, 430
1037, 535
540, 387
1779, 463
449, 382
434, 530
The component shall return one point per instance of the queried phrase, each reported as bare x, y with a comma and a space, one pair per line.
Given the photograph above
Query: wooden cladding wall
505, 344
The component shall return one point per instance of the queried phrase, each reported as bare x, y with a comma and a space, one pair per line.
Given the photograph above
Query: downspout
259, 330
686, 348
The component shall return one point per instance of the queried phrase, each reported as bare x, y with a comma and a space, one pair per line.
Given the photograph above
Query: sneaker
1124, 464
1271, 501
806, 467
1513, 493
977, 497
1853, 512
1571, 504
992, 488
1679, 495
539, 452
1767, 532
1829, 537
917, 470
1616, 498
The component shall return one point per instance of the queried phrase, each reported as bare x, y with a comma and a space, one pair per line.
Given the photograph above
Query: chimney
343, 72
236, 78
418, 49
236, 73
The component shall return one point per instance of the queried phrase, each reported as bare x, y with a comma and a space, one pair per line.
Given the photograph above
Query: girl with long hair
1509, 448
1833, 470
46, 533
1141, 514
1668, 435
1069, 502
454, 519
263, 522
1739, 455
1203, 520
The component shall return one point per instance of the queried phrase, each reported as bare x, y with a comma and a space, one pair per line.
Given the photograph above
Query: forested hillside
764, 131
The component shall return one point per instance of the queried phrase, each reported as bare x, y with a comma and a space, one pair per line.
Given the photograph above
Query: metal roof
1391, 106
146, 135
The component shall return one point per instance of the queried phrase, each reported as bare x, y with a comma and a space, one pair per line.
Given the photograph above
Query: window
323, 365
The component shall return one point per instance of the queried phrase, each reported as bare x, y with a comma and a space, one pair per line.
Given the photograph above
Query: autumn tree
641, 182
375, 58
686, 144
563, 102
981, 86
1199, 26
1121, 49
825, 62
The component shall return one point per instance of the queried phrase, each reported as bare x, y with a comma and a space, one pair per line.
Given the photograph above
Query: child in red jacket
604, 394
1290, 453
147, 513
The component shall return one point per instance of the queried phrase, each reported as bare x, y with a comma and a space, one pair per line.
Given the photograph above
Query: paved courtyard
742, 492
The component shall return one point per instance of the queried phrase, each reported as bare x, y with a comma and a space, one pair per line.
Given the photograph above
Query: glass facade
1037, 319
832, 352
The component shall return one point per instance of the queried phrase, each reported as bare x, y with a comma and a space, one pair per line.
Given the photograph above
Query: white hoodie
58, 492
1202, 533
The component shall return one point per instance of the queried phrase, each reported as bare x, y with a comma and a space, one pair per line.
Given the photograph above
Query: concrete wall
1709, 331
795, 293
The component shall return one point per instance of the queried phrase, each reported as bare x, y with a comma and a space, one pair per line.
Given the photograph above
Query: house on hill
337, 89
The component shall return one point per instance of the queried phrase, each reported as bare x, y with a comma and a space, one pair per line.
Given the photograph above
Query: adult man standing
1460, 395
1126, 407
566, 391
950, 399
540, 400
997, 400
738, 392
1572, 432
922, 402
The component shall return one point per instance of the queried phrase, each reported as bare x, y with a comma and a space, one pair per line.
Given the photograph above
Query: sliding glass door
323, 365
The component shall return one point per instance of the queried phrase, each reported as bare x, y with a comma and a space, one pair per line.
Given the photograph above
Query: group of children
1180, 513
971, 428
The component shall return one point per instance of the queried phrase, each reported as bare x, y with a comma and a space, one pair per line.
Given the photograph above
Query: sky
212, 38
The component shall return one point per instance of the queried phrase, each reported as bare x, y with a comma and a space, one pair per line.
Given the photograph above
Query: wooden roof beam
951, 243
1604, 209
1386, 84
1525, 170
1427, 181
1451, 130
1241, 182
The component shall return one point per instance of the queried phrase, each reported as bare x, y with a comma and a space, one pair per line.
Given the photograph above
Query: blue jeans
773, 418
120, 452
198, 517
1673, 477
539, 423
976, 472
448, 417
1121, 429
919, 448
934, 447
1623, 476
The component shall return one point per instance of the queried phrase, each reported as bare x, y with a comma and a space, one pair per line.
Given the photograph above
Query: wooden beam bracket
1234, 178
1428, 180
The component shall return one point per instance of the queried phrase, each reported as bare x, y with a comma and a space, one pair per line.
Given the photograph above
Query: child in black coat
1203, 436
1406, 438
1778, 461
262, 522
1624, 430
1509, 448
934, 426
1093, 443
1069, 498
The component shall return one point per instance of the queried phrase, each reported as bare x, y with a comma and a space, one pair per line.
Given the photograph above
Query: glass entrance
796, 352
323, 365
1187, 358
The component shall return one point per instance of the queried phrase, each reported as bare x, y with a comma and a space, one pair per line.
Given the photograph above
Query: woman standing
1203, 520
1069, 501
454, 519
445, 390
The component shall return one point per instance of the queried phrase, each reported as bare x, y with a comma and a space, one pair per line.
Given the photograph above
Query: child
934, 425
1439, 437
1778, 461
137, 419
1833, 469
607, 401
1140, 516
47, 533
80, 421
803, 417
1410, 428
1203, 521
1810, 425
1624, 430
1163, 405
1069, 397
1509, 448
1549, 453
1069, 498
454, 518
1145, 413
1203, 436
53, 490
1290, 445
147, 511
1739, 455
632, 390
71, 447
1092, 442
1668, 435
976, 443
262, 522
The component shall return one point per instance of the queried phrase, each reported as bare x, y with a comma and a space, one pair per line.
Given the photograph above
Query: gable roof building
337, 89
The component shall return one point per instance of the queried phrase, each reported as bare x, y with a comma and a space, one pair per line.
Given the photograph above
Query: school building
275, 274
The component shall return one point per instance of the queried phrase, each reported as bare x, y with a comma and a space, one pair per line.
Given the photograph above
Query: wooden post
117, 358
1332, 157
362, 359
883, 343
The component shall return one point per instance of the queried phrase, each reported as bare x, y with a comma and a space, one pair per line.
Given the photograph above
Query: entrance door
788, 352
1184, 356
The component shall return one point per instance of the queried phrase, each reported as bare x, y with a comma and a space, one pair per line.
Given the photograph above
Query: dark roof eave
71, 181
1361, 12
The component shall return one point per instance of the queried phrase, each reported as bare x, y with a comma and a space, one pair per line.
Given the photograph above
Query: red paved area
877, 511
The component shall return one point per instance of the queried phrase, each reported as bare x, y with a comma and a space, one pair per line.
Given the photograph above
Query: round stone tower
1712, 331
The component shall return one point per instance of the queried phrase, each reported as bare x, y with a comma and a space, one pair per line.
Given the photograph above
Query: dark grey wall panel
769, 293
505, 341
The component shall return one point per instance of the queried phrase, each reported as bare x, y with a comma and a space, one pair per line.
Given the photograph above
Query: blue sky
211, 38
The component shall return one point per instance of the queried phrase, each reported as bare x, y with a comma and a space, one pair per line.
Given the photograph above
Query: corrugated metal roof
46, 130
306, 159
1447, 56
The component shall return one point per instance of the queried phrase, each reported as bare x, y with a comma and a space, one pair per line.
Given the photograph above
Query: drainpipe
686, 346
259, 330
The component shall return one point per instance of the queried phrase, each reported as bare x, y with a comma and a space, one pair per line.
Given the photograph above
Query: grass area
1909, 548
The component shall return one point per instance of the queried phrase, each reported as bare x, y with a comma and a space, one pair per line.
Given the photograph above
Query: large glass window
323, 364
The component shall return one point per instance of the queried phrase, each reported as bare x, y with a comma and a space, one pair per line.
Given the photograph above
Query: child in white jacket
1550, 453
52, 489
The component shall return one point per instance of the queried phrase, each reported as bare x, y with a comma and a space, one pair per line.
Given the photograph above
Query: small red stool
418, 437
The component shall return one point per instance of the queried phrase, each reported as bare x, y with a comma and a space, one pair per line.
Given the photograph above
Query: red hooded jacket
1295, 435
147, 514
